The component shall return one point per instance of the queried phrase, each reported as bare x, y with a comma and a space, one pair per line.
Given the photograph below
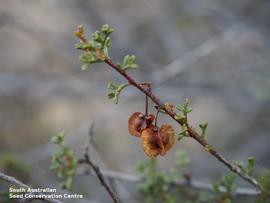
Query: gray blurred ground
214, 52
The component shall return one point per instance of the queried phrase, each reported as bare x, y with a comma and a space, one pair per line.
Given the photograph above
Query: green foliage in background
13, 166
226, 182
63, 161
156, 185
264, 180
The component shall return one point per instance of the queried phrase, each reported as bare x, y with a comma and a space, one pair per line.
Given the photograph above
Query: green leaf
63, 161
129, 62
250, 165
87, 57
227, 182
178, 116
107, 42
111, 95
183, 133
118, 91
182, 158
96, 36
83, 46
85, 66
155, 185
106, 29
185, 109
264, 180
115, 90
181, 136
246, 168
96, 49
112, 85
59, 138
79, 46
203, 128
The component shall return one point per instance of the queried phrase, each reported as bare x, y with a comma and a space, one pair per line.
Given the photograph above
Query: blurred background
216, 53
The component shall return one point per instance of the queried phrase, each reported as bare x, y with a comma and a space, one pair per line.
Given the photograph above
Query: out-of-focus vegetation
63, 161
13, 166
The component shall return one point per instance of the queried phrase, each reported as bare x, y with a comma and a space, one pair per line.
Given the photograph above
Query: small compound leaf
96, 36
106, 30
250, 165
59, 138
87, 57
111, 95
115, 90
129, 62
112, 85
203, 128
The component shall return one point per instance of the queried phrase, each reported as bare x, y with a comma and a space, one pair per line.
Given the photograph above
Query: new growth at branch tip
154, 139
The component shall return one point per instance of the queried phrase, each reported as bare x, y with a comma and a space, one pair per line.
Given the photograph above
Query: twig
100, 176
178, 183
95, 168
192, 133
90, 139
114, 187
13, 180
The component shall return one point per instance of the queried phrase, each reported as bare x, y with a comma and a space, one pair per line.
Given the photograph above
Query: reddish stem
156, 117
192, 133
146, 105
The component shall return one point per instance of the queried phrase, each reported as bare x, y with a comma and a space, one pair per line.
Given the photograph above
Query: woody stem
192, 133
146, 105
156, 117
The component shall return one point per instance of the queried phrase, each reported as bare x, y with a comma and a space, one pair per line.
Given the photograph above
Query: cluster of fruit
155, 140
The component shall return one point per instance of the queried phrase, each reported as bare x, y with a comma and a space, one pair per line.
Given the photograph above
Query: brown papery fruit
157, 141
137, 122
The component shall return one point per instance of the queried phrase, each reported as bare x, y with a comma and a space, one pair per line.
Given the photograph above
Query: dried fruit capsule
157, 141
137, 122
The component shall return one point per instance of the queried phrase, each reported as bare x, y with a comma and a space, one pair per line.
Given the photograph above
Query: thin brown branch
146, 105
192, 133
194, 184
95, 168
13, 180
100, 176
